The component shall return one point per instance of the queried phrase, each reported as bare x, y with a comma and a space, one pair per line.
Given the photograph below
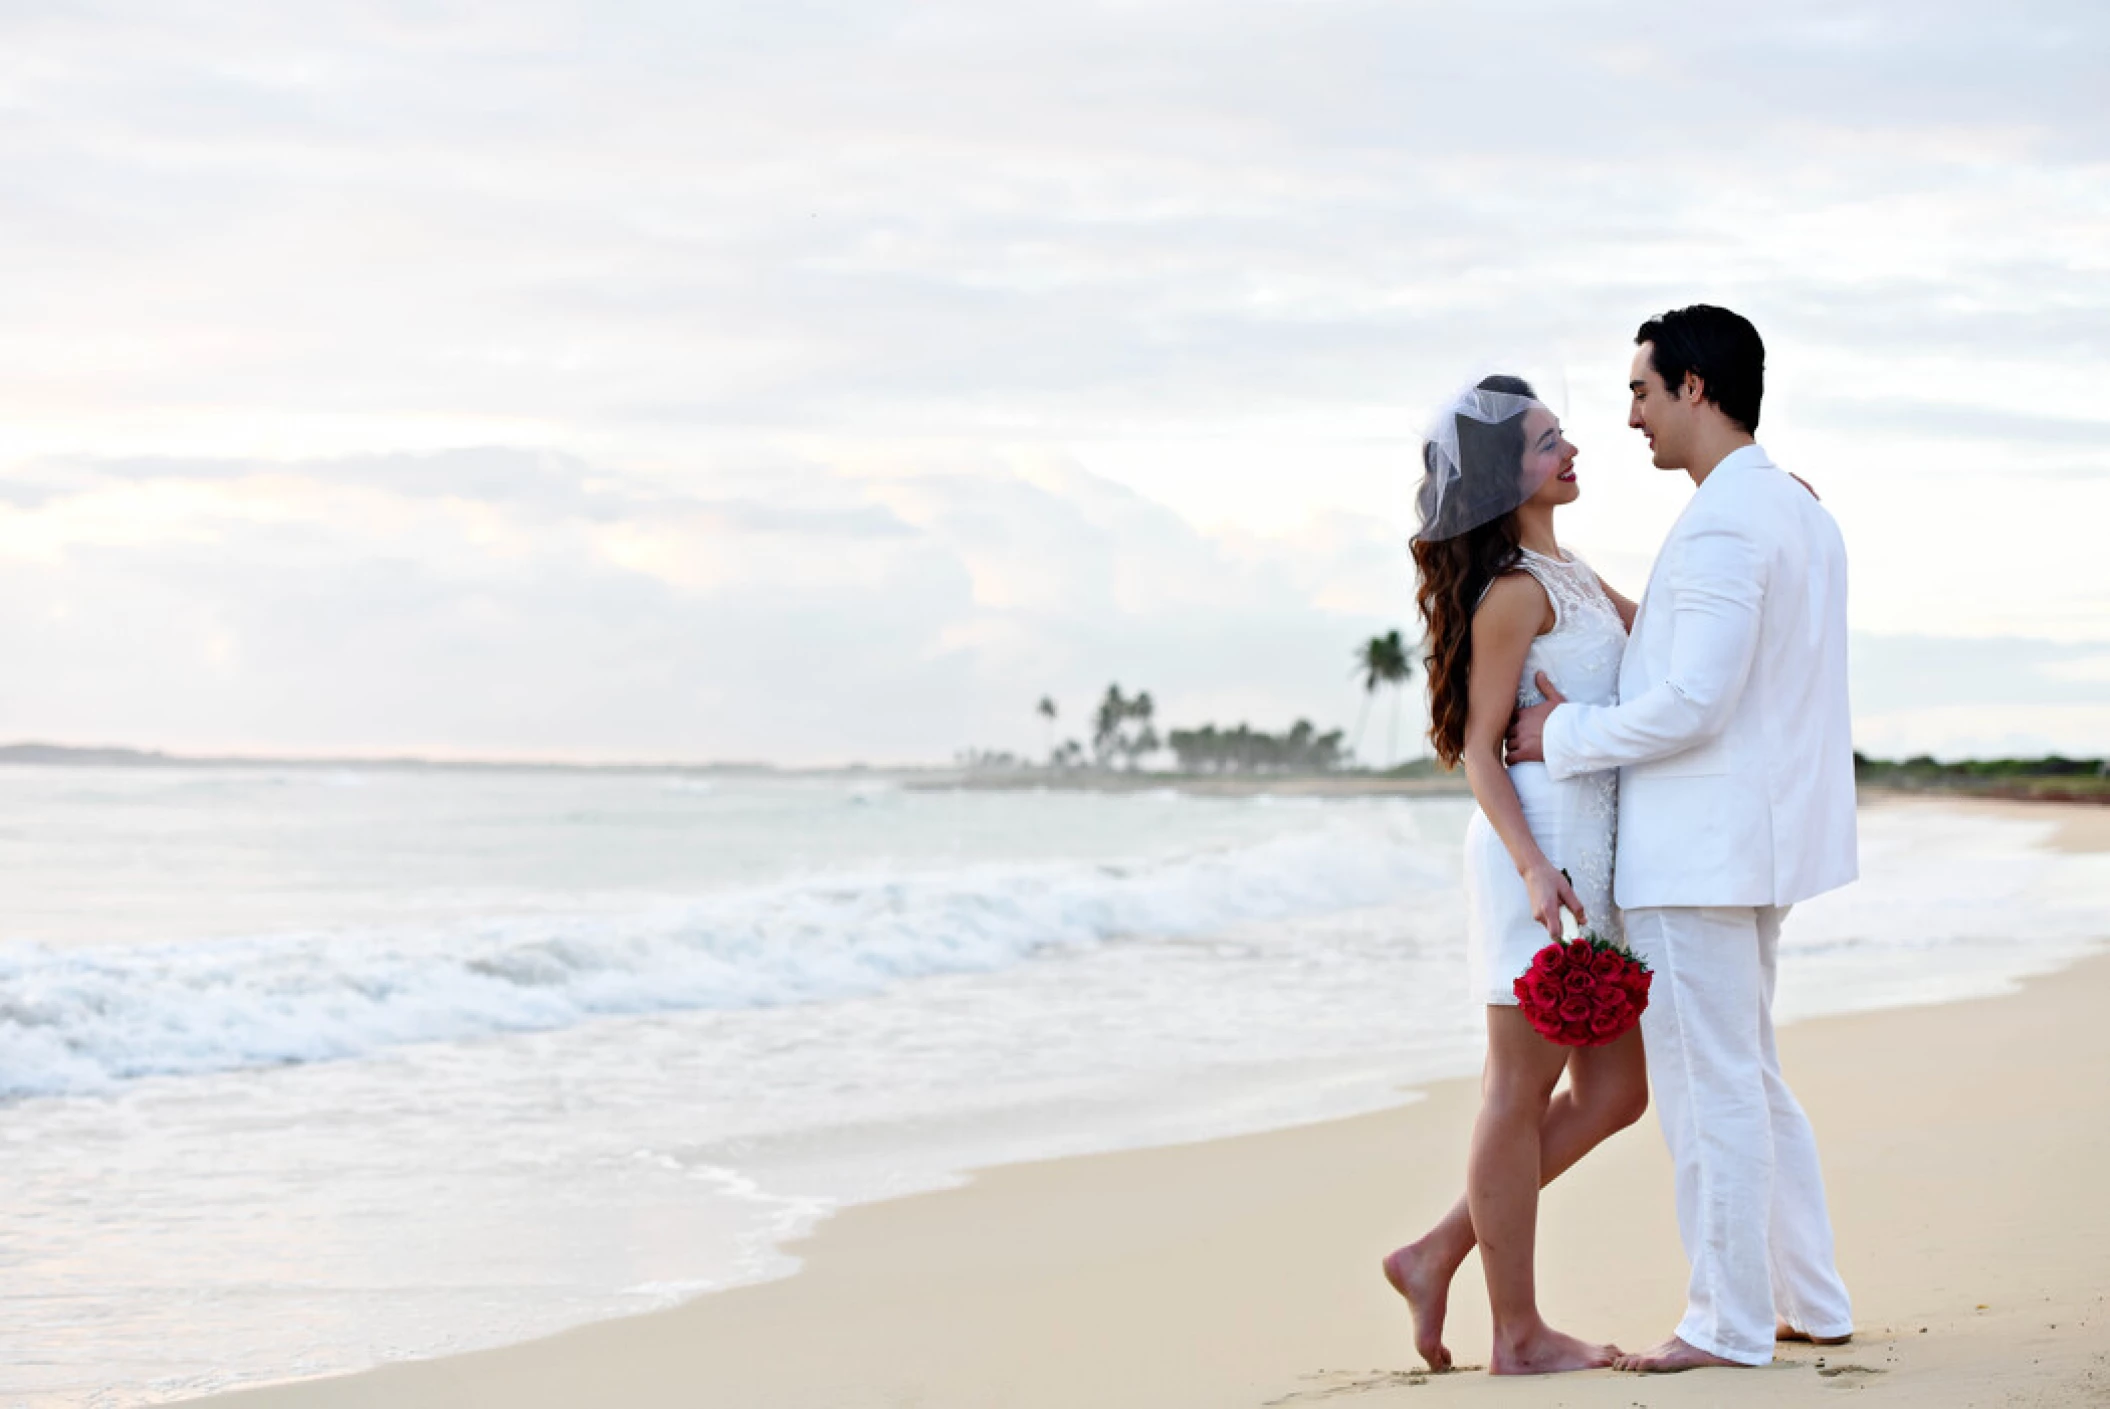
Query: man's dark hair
1721, 347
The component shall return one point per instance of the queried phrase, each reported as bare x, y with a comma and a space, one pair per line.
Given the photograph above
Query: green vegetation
1046, 710
2048, 779
1113, 739
1241, 750
1124, 732
1381, 661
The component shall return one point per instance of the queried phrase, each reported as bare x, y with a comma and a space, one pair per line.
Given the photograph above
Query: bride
1501, 602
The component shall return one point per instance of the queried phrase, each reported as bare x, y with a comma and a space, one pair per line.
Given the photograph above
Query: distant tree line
1303, 749
1124, 733
2050, 766
1124, 730
2052, 777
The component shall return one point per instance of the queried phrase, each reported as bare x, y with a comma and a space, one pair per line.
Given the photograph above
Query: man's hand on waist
1526, 741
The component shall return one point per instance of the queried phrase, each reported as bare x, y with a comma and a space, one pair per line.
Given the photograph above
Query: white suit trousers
1751, 1206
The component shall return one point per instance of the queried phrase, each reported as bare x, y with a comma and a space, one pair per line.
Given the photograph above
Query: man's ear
1694, 388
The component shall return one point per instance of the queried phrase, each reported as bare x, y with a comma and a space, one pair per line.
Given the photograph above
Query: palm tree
1143, 709
1046, 710
1381, 662
1106, 725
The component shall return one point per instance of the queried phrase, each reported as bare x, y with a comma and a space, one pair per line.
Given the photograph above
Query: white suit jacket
1731, 735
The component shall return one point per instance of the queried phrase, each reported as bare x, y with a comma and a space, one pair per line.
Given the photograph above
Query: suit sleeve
1717, 585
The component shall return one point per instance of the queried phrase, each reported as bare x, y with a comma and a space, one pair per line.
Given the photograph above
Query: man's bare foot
1549, 1353
1669, 1358
1785, 1332
1427, 1289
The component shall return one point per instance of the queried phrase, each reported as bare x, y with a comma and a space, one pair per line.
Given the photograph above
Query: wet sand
1964, 1145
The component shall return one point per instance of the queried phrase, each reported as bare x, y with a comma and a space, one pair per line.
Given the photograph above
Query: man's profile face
1662, 417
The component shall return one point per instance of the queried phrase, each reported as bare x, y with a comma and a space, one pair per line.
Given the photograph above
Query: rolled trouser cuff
1699, 1340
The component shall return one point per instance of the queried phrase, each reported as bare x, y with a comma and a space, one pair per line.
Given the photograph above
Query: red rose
1582, 992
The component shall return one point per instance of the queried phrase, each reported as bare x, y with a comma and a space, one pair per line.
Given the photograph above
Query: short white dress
1575, 820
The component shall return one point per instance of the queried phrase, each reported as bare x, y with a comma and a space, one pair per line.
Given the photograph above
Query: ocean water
302, 1070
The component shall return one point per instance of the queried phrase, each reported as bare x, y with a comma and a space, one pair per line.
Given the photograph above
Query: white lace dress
1573, 821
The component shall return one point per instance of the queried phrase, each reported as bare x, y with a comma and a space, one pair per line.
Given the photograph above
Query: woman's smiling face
1549, 460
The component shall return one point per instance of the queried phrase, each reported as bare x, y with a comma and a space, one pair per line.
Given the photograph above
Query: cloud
1895, 674
435, 603
659, 219
1933, 418
992, 349
1951, 732
498, 602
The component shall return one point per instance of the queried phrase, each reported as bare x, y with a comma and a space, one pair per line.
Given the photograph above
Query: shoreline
1433, 784
1084, 780
1425, 779
1243, 1270
2082, 827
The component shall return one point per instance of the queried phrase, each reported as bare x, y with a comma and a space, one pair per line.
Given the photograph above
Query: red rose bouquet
1583, 992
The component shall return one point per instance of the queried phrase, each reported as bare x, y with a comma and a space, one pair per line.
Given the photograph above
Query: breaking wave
76, 1021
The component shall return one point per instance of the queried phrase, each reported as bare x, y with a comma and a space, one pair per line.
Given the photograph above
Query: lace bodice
1580, 655
1574, 819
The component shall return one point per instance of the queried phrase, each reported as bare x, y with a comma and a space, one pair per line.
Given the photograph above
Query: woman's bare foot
1785, 1332
1427, 1289
1669, 1358
1548, 1352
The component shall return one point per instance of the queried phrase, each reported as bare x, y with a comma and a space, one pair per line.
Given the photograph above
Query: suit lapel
1634, 671
1651, 617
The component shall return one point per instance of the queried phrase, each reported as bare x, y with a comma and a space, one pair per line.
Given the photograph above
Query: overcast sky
827, 381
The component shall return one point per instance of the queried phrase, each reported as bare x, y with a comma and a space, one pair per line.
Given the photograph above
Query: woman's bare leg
1607, 1091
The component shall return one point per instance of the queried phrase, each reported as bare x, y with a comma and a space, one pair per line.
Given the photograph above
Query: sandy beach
1963, 1145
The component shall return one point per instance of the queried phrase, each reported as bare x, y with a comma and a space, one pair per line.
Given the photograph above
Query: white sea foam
1026, 976
79, 1020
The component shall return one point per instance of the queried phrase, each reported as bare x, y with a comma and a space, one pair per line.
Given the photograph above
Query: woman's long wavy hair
1453, 573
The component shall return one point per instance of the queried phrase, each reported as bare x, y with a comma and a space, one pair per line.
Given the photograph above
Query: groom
1736, 800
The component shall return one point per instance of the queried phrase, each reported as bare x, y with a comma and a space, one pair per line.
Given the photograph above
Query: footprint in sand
1833, 1371
1331, 1384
